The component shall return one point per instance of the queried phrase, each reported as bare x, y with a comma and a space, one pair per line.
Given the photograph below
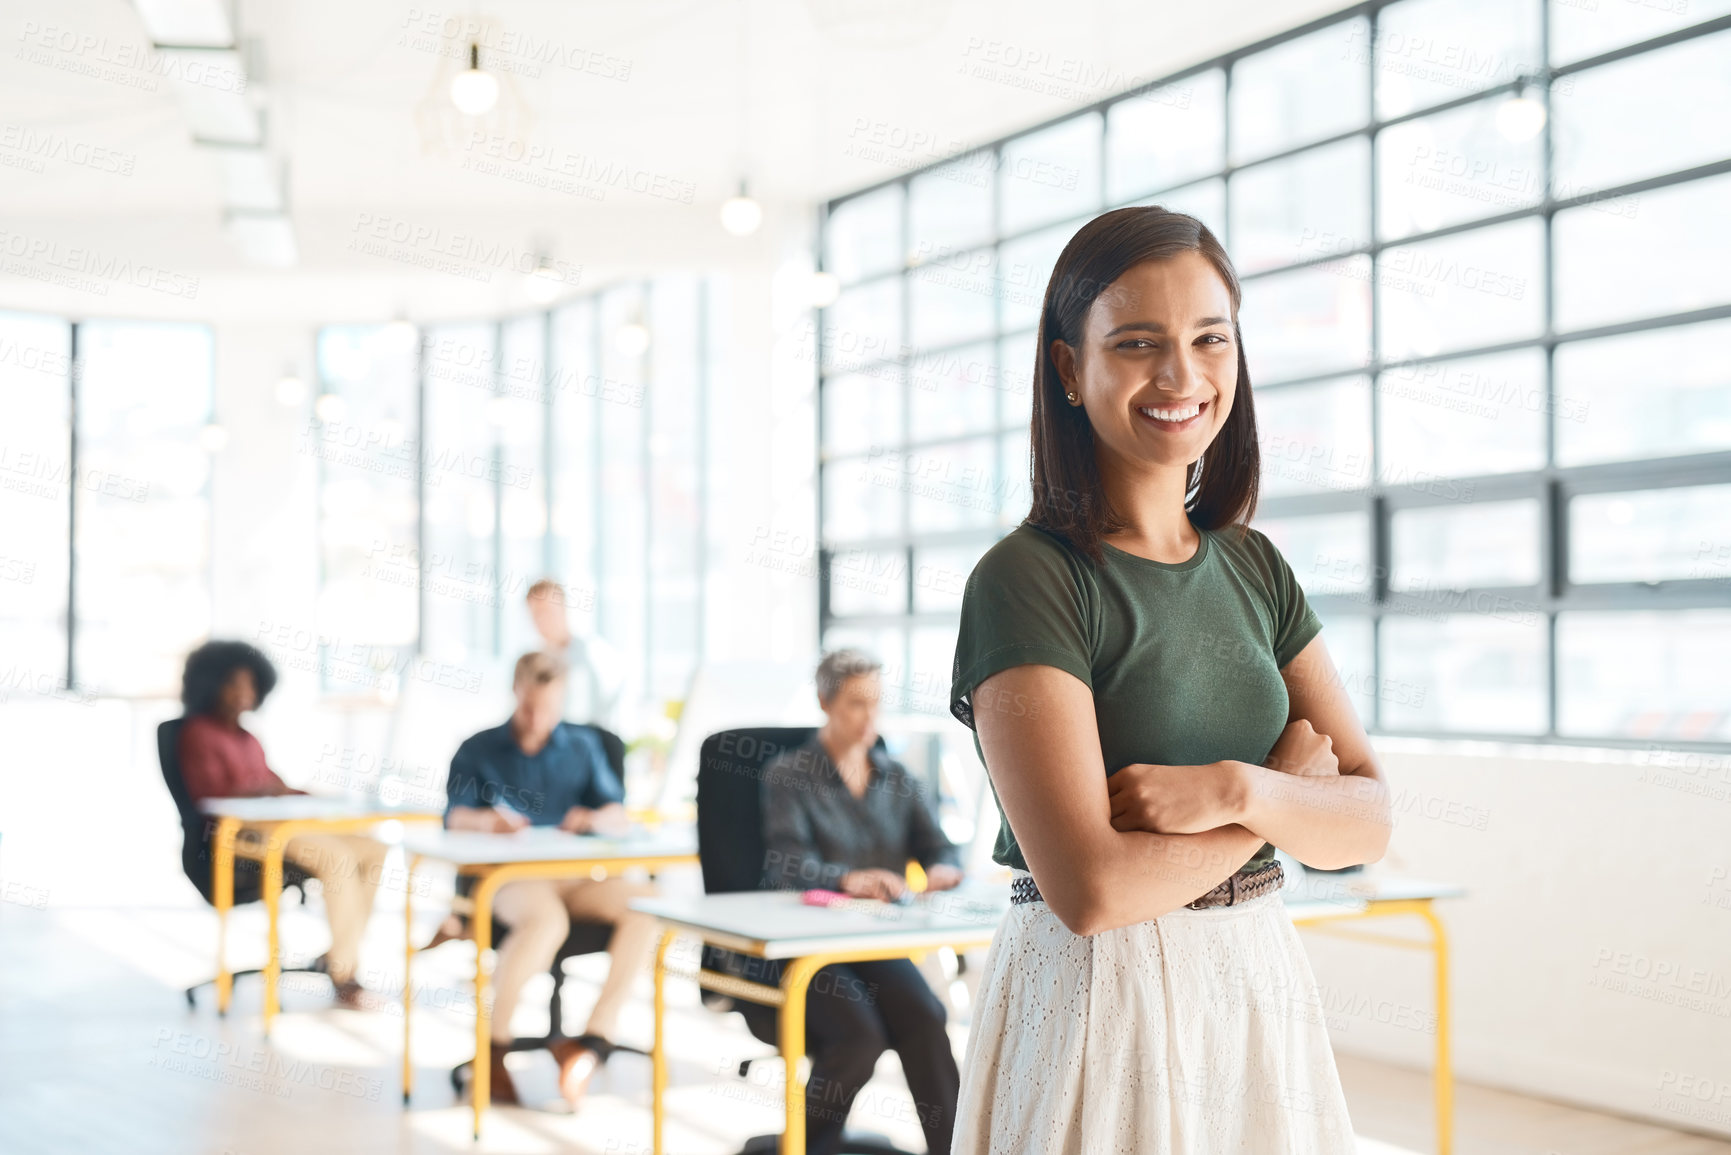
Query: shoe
501, 1091
578, 1061
353, 996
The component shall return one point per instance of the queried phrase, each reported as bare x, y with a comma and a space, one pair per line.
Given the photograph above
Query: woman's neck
1149, 502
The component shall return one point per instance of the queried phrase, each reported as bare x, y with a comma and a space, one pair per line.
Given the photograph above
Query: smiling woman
1157, 713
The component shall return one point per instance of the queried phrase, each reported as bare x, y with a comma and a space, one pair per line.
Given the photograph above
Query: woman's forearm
1327, 821
1134, 876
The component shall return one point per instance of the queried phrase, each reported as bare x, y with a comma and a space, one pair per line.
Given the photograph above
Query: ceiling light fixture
740, 215
475, 91
291, 391
1522, 115
545, 282
330, 408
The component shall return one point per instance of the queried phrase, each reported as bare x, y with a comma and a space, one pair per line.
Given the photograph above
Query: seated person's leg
631, 951
347, 868
913, 1018
844, 1035
538, 923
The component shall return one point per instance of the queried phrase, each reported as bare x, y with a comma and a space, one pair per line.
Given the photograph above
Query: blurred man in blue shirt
538, 770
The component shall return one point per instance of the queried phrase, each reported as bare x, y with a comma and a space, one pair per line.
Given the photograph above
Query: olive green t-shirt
1183, 658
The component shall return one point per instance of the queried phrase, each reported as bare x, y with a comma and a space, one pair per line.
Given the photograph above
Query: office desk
277, 819
777, 925
1318, 901
496, 859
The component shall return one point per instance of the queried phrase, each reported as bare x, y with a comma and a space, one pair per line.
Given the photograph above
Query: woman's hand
1302, 751
1176, 799
873, 883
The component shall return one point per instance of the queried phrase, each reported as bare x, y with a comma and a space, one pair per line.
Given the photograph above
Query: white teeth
1172, 414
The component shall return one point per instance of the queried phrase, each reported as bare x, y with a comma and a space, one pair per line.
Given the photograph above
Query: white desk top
1322, 894
549, 844
776, 924
296, 807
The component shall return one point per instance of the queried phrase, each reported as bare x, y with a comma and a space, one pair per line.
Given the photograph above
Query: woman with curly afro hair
220, 759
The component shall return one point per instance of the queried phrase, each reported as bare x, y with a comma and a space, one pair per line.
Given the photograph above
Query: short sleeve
1295, 623
1026, 603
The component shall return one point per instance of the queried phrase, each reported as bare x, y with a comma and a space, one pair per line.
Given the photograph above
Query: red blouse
218, 761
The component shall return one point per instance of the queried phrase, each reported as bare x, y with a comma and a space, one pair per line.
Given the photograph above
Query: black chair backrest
730, 766
614, 745
194, 855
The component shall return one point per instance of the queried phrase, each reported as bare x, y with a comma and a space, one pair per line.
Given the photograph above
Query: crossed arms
1109, 852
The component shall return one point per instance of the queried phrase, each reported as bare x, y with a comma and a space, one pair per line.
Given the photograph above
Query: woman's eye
1213, 338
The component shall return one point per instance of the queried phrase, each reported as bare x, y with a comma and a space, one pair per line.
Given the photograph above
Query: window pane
1452, 167
926, 687
622, 513
863, 235
1580, 30
521, 419
1678, 379
1476, 288
1651, 535
1616, 261
1468, 547
1312, 204
950, 299
1016, 382
1025, 266
575, 398
1160, 138
143, 494
1466, 672
1351, 643
953, 393
1204, 200
868, 582
1619, 123
673, 405
35, 364
1645, 675
949, 207
863, 410
1052, 174
863, 326
1306, 89
940, 574
1015, 487
1431, 51
951, 486
862, 496
464, 417
1307, 321
1460, 418
1314, 438
1329, 553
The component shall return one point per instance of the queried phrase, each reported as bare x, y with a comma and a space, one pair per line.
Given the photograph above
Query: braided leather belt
1240, 887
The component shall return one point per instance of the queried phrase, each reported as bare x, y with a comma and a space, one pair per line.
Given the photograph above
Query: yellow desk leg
480, 1085
222, 898
1444, 1073
657, 1048
794, 981
408, 967
273, 856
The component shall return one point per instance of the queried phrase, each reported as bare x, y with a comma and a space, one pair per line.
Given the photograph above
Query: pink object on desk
823, 897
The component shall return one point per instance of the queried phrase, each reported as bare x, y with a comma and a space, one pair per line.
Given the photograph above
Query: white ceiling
692, 94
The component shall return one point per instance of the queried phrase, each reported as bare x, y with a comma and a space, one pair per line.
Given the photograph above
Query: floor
99, 1053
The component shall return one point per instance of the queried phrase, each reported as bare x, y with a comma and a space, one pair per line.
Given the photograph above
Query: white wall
1592, 954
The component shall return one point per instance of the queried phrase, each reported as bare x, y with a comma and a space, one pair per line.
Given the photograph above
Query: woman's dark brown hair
1069, 499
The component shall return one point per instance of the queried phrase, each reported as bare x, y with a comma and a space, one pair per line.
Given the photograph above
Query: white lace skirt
1197, 1033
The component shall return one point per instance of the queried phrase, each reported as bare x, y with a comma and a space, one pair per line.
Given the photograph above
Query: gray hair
840, 665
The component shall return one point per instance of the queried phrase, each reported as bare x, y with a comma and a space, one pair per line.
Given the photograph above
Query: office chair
195, 852
730, 850
585, 938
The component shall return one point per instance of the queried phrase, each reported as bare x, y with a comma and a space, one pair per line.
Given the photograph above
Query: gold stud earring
1071, 398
